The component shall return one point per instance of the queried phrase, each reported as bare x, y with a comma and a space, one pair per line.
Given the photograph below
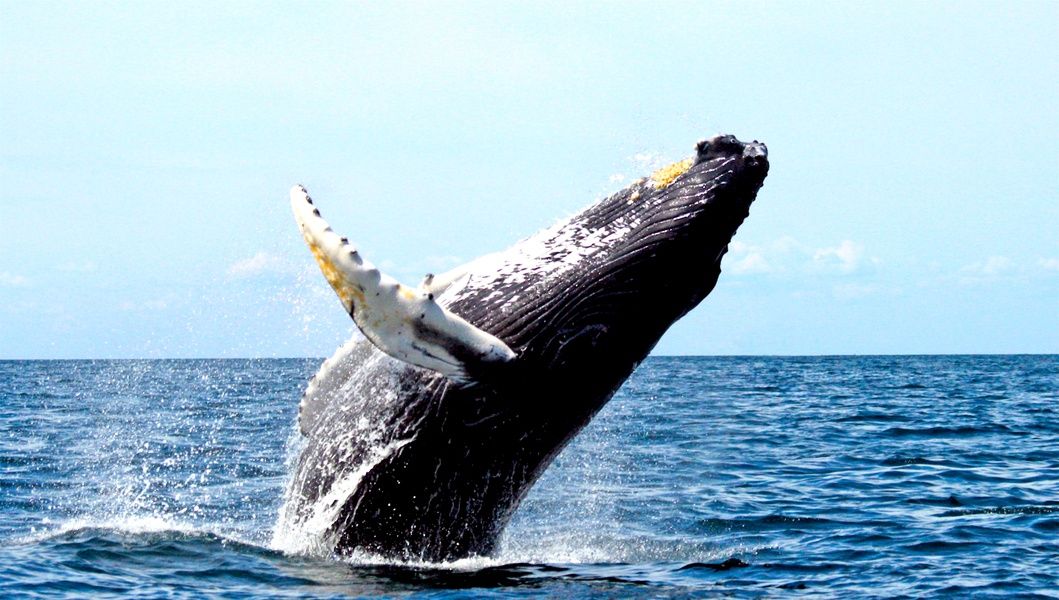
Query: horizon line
822, 355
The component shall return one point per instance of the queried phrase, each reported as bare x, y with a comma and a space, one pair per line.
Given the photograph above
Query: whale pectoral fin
406, 323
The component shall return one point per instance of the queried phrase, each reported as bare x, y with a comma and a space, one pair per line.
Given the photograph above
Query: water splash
309, 530
305, 525
159, 444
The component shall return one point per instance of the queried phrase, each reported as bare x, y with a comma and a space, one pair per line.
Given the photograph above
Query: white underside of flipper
404, 322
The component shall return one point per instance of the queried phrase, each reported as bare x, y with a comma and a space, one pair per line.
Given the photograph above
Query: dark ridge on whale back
874, 417
900, 461
992, 428
731, 563
1004, 510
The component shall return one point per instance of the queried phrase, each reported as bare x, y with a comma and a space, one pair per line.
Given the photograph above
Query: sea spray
304, 525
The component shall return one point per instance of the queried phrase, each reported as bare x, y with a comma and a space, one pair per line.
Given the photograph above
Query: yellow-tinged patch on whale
665, 176
347, 292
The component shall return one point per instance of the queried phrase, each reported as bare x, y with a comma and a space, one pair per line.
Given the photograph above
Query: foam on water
311, 534
132, 524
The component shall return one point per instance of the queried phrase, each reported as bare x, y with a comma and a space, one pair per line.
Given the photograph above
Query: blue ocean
736, 476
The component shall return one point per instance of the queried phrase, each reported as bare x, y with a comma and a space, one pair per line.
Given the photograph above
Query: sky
147, 149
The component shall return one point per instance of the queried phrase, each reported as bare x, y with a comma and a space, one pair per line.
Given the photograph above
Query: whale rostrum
419, 442
406, 323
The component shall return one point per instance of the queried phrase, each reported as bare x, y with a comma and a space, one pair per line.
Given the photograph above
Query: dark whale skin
406, 464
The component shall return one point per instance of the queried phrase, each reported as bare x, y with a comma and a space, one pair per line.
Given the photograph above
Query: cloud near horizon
258, 264
87, 266
8, 279
1048, 264
788, 256
1001, 268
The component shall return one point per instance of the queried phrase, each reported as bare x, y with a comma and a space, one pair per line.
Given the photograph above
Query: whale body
422, 437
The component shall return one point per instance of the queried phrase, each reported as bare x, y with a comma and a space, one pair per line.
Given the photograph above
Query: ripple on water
840, 476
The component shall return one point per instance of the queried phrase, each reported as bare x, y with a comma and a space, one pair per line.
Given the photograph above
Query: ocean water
828, 476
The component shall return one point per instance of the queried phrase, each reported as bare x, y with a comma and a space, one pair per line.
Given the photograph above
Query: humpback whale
421, 437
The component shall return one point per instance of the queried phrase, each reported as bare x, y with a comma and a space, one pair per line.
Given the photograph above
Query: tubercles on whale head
753, 153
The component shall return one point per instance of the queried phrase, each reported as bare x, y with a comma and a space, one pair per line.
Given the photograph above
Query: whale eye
728, 143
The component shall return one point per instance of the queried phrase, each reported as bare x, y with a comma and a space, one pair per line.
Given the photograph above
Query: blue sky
912, 205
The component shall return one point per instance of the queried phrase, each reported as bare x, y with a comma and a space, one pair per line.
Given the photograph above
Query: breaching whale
422, 437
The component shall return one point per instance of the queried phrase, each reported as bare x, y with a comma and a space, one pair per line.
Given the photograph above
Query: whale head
587, 299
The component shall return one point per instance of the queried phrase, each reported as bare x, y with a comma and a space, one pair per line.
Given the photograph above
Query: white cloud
648, 160
1001, 268
1048, 264
644, 158
752, 263
788, 256
845, 257
747, 259
990, 269
260, 263
78, 267
12, 280
617, 178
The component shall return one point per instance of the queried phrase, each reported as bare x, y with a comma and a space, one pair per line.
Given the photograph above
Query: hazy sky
147, 150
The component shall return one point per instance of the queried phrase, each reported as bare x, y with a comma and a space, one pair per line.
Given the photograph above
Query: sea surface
824, 476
